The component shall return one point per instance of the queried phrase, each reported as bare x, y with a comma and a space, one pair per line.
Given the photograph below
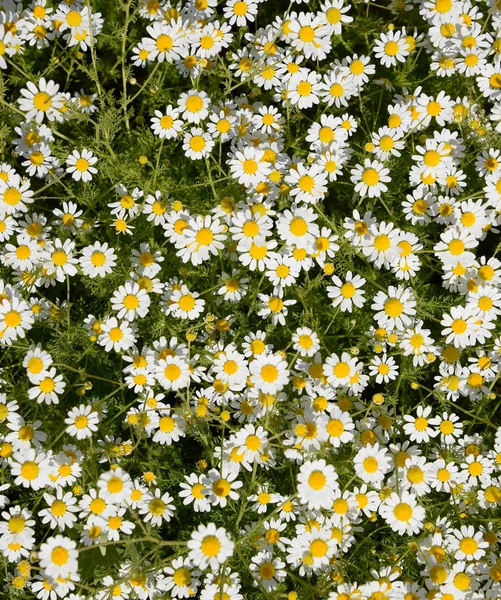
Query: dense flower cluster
250, 300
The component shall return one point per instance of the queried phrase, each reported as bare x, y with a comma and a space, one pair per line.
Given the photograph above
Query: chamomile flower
202, 238
184, 304
348, 293
391, 47
156, 508
81, 165
115, 485
116, 335
167, 124
182, 578
267, 570
48, 389
130, 301
317, 484
396, 308
61, 510
170, 427
58, 557
402, 513
269, 373
370, 179
305, 341
197, 144
209, 546
419, 428
371, 464
97, 260
40, 101
82, 421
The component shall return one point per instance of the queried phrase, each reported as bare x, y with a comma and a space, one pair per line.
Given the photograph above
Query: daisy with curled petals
317, 484
403, 513
395, 309
370, 179
41, 101
348, 293
203, 237
209, 546
81, 165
